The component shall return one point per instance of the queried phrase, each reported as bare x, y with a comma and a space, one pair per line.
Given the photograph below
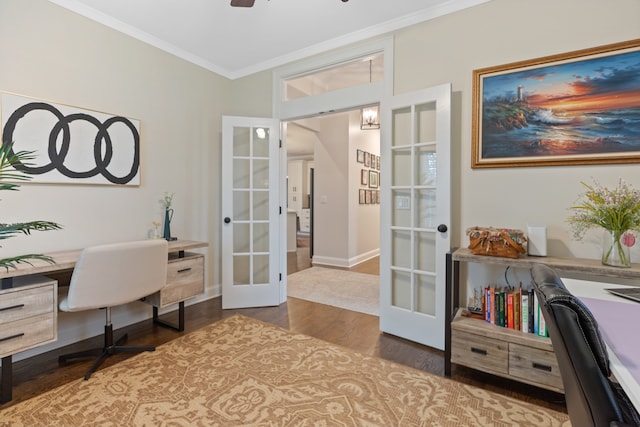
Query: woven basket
500, 242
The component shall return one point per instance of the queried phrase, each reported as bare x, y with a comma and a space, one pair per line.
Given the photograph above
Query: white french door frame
330, 102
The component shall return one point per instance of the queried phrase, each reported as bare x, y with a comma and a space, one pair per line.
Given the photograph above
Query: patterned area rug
339, 288
242, 372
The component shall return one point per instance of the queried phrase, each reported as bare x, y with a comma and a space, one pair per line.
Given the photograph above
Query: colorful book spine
536, 314
494, 306
487, 304
531, 299
542, 326
510, 311
517, 297
525, 312
500, 308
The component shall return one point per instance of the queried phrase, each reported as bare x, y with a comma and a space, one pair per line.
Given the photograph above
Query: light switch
403, 202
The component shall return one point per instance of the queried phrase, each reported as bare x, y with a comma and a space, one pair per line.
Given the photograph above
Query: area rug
339, 288
243, 372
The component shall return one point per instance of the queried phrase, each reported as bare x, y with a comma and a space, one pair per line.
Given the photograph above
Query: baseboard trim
342, 262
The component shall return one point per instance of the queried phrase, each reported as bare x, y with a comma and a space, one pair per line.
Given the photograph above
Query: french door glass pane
401, 127
426, 212
240, 142
426, 166
241, 237
261, 237
241, 205
241, 264
241, 173
401, 210
260, 205
261, 173
426, 294
425, 248
426, 122
260, 142
260, 269
401, 249
401, 289
401, 159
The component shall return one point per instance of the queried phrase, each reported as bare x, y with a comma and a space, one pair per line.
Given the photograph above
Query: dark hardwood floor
356, 331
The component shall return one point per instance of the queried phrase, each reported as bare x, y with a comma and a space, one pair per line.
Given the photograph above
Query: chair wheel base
104, 353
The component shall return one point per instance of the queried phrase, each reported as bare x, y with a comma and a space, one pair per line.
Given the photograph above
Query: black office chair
592, 398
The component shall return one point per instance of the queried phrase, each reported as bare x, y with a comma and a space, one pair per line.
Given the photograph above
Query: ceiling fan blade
242, 3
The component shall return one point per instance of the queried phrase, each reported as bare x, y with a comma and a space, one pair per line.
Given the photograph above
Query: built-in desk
28, 299
618, 323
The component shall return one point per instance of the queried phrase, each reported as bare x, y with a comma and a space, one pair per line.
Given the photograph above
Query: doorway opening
339, 227
322, 100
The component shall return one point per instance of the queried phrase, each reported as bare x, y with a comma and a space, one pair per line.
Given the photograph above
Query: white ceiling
236, 42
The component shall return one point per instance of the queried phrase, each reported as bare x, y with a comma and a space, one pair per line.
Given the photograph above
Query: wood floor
357, 331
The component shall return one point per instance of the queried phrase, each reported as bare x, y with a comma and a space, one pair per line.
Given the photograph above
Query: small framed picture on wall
364, 177
373, 179
360, 156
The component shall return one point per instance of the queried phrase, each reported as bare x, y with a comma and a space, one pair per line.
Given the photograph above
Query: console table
28, 300
512, 354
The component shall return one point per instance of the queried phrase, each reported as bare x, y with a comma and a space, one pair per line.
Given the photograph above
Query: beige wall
448, 49
52, 54
49, 53
331, 198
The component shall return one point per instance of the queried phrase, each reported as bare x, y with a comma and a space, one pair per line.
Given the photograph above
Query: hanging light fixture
369, 116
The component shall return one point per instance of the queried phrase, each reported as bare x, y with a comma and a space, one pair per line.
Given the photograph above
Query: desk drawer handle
184, 270
12, 337
541, 366
479, 351
13, 307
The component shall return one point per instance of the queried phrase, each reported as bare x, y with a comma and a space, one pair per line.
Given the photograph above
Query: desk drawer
16, 304
27, 333
479, 352
185, 279
534, 366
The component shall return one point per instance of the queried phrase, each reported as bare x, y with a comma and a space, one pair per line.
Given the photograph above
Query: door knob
442, 228
227, 220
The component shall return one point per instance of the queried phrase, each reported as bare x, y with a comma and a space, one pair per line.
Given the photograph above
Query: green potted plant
9, 171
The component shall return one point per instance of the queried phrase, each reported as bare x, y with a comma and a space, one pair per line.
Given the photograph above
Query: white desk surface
613, 327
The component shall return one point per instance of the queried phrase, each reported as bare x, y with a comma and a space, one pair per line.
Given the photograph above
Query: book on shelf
515, 309
510, 311
524, 304
536, 314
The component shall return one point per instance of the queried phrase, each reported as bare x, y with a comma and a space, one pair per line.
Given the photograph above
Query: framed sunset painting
581, 107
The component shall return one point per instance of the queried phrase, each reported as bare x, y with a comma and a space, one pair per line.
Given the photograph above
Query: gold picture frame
574, 108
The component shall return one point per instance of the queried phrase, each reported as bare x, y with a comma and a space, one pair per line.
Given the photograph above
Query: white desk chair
110, 275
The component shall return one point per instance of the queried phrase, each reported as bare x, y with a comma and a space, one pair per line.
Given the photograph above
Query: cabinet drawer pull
12, 337
479, 351
12, 307
184, 270
541, 366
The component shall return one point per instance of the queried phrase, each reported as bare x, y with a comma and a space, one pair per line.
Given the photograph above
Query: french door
415, 214
251, 212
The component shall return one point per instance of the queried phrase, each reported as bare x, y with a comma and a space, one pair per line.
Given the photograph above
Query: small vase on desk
168, 215
614, 250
